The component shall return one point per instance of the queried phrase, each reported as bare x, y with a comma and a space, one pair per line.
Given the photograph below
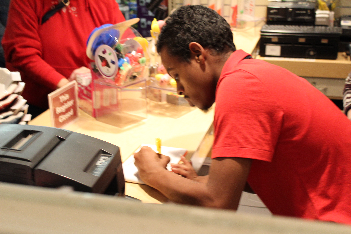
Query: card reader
53, 157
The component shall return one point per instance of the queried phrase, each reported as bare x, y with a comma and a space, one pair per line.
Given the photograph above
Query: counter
186, 132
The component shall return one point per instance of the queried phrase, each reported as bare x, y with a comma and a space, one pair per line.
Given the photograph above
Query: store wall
147, 10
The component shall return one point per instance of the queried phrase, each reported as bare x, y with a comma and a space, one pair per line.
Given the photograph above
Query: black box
314, 42
52, 157
291, 13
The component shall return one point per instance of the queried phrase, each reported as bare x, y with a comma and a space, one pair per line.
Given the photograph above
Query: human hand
81, 70
185, 169
149, 163
62, 83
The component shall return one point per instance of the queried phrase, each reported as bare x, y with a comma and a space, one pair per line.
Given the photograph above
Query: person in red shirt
48, 54
272, 129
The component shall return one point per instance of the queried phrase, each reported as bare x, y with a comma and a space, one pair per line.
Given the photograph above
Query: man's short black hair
195, 23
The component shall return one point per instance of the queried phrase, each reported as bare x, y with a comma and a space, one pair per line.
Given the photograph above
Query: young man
272, 128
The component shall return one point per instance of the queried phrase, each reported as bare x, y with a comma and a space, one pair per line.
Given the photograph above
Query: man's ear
197, 52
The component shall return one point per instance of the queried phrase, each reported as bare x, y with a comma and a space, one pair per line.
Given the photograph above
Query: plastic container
115, 91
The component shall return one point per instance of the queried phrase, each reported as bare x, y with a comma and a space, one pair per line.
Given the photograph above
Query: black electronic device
291, 13
293, 41
52, 157
345, 39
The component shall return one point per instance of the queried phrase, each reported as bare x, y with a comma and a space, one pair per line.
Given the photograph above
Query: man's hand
149, 163
185, 169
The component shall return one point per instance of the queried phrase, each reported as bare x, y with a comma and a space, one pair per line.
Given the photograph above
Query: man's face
193, 80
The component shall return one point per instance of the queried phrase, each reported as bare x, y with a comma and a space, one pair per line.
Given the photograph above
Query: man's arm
185, 169
223, 189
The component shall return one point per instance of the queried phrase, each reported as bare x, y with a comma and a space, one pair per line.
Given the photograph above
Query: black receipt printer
53, 157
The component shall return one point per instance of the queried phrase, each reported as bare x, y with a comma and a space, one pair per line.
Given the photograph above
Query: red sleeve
247, 118
22, 45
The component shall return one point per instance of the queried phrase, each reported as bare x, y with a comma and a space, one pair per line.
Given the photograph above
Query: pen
158, 146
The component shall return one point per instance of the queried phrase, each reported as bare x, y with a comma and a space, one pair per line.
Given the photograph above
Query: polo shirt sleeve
247, 118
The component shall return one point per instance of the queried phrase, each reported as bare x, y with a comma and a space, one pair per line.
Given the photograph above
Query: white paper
131, 172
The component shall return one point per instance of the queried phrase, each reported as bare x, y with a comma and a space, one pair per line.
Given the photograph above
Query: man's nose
180, 89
